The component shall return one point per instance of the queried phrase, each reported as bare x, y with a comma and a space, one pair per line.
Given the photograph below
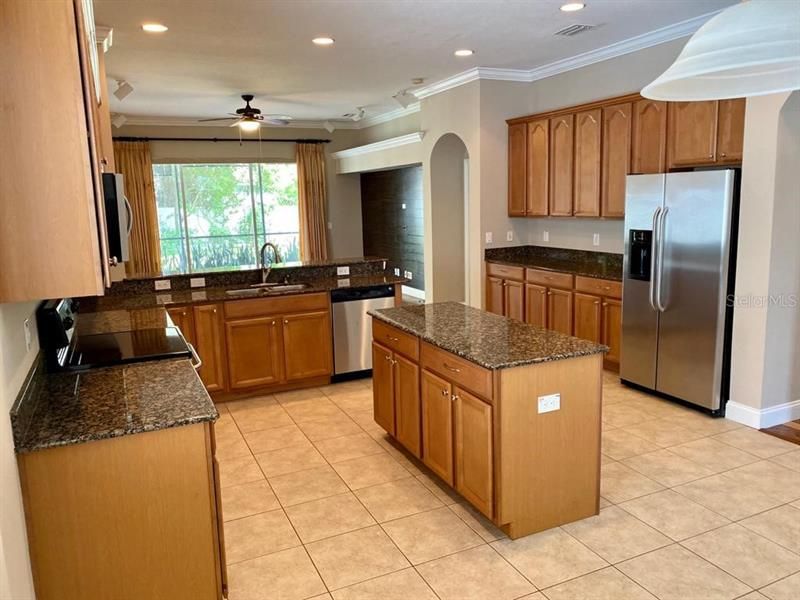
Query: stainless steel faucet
266, 268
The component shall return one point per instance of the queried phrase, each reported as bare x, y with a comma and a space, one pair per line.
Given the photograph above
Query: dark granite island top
492, 341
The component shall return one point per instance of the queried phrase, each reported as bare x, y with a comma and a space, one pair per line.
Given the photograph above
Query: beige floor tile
674, 515
604, 460
785, 589
429, 535
624, 414
289, 460
261, 418
231, 446
247, 499
236, 406
604, 503
354, 401
619, 482
744, 554
619, 444
327, 517
285, 575
396, 499
443, 492
702, 423
304, 486
355, 557
549, 557
756, 442
475, 574
266, 440
402, 585
790, 460
606, 584
347, 447
667, 468
774, 480
477, 522
781, 525
713, 454
260, 534
240, 470
297, 395
674, 573
754, 596
731, 499
311, 409
663, 433
663, 409
342, 389
411, 463
534, 596
615, 535
329, 427
370, 470
325, 596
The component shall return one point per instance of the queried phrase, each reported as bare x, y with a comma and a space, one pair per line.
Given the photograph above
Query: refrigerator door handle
662, 220
654, 266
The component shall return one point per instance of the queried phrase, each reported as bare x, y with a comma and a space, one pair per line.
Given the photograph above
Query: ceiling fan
249, 118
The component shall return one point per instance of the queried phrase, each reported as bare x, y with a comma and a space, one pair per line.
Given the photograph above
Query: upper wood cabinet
561, 164
517, 154
586, 190
616, 158
692, 135
649, 136
538, 168
730, 131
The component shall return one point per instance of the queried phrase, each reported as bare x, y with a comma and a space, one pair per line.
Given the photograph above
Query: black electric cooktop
105, 349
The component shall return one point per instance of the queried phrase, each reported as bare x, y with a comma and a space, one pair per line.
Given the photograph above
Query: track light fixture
123, 89
118, 120
405, 98
329, 127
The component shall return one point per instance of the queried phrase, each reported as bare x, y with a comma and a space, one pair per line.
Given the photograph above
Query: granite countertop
599, 265
72, 408
492, 341
114, 321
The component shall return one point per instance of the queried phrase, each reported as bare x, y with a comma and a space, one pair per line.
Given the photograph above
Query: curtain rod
190, 139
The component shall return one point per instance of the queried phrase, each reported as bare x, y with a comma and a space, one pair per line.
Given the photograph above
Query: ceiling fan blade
277, 121
220, 119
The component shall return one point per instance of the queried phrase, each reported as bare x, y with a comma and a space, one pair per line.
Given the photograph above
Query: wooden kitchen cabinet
383, 387
538, 170
616, 163
437, 425
183, 318
407, 404
517, 155
586, 183
612, 331
494, 295
505, 290
254, 351
473, 450
692, 133
559, 310
588, 317
649, 136
307, 345
598, 315
730, 131
561, 164
209, 335
536, 305
514, 299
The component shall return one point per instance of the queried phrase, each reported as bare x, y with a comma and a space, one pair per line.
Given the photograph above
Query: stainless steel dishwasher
352, 327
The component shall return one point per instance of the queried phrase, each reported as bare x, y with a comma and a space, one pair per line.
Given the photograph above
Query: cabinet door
587, 164
588, 317
407, 404
255, 352
183, 318
494, 295
649, 136
538, 168
437, 425
559, 310
616, 158
307, 345
692, 138
517, 141
383, 387
561, 160
536, 305
730, 131
473, 449
514, 299
612, 329
210, 345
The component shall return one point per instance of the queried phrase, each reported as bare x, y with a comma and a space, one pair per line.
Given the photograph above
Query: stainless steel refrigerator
680, 233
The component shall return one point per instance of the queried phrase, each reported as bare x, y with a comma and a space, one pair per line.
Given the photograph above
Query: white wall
15, 361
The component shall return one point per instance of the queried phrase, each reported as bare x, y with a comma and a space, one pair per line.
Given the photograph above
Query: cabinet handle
710, 156
286, 321
184, 313
597, 302
542, 292
214, 310
723, 155
388, 358
444, 393
605, 303
273, 322
453, 398
453, 369
549, 293
390, 338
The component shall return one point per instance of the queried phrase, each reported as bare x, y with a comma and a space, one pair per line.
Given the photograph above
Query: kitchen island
505, 412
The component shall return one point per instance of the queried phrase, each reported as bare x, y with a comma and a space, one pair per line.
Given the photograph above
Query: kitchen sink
272, 288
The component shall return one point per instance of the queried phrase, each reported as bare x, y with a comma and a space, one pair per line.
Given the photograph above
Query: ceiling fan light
249, 125
749, 49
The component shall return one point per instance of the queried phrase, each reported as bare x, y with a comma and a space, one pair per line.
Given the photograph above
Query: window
215, 217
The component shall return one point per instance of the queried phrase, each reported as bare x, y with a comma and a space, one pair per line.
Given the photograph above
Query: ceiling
216, 50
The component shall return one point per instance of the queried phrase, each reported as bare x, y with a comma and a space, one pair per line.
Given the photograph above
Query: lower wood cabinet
437, 425
505, 291
306, 345
494, 295
550, 308
599, 317
396, 396
383, 387
536, 305
473, 449
183, 318
612, 329
255, 352
209, 335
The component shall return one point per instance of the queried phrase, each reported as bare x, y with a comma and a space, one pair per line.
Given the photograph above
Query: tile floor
318, 503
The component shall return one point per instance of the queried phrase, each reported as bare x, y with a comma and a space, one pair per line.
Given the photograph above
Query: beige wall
15, 361
394, 128
387, 158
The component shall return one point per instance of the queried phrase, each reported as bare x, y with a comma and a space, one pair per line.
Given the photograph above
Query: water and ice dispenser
641, 251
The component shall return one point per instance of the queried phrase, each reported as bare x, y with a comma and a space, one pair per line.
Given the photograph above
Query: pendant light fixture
750, 49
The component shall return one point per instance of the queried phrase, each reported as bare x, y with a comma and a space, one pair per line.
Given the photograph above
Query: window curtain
312, 201
134, 162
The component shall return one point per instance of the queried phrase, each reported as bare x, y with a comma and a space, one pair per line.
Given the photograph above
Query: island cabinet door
536, 305
383, 387
559, 311
307, 345
407, 404
494, 295
612, 329
514, 299
255, 352
210, 347
437, 425
473, 449
588, 317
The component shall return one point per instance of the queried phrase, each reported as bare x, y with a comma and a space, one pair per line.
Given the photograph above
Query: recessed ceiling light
323, 41
154, 27
464, 52
572, 6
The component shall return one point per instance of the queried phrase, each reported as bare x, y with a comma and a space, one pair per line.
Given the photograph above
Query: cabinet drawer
505, 271
255, 307
394, 339
600, 287
549, 278
462, 372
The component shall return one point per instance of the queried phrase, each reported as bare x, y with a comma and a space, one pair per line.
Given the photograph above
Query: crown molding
192, 122
104, 36
403, 140
389, 116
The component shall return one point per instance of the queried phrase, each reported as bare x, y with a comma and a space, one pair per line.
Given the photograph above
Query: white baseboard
413, 292
762, 418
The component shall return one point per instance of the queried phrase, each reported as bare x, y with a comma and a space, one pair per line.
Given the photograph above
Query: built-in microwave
119, 217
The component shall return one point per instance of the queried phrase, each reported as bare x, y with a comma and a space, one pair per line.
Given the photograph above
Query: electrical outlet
342, 271
343, 283
397, 272
545, 236
408, 275
163, 284
199, 296
509, 236
403, 206
197, 282
26, 325
595, 239
549, 403
488, 237
163, 298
